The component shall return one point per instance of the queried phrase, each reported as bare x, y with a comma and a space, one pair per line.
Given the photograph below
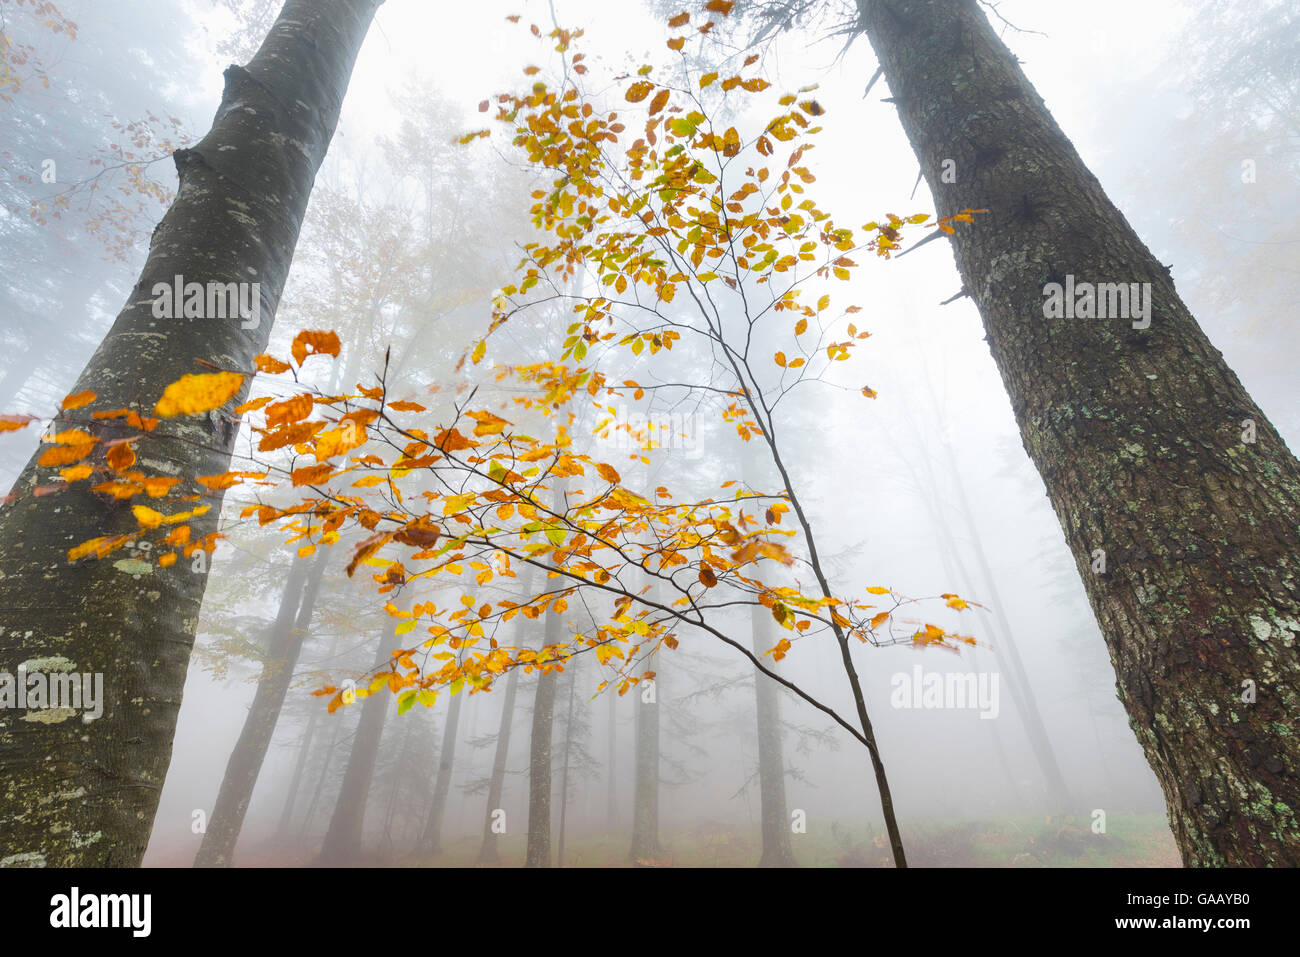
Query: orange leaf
290, 410
77, 400
12, 423
638, 91
320, 343
311, 474
66, 454
608, 473
268, 363
121, 457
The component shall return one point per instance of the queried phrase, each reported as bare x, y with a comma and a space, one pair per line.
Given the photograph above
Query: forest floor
1130, 841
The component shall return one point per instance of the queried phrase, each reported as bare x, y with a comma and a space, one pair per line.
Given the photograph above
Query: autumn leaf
12, 423
146, 516
290, 410
270, 364
320, 343
77, 400
638, 91
311, 474
194, 394
121, 457
608, 473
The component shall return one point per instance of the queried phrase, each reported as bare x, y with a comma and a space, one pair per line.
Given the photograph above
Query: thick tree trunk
777, 851
431, 840
77, 794
1150, 448
288, 633
645, 793
342, 843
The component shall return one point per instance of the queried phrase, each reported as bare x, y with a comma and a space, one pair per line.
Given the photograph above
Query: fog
1013, 750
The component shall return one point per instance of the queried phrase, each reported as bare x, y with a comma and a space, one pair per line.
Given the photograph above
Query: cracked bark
74, 794
1137, 434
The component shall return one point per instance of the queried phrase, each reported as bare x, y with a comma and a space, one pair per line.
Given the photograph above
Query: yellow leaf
193, 394
146, 516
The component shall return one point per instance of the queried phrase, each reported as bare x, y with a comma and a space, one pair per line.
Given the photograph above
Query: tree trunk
342, 843
611, 793
488, 852
564, 769
539, 762
777, 851
290, 630
645, 794
1150, 448
77, 794
431, 840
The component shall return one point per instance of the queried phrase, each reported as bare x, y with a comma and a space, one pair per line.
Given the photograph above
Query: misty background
925, 489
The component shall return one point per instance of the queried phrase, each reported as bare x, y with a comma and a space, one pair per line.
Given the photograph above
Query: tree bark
288, 634
564, 767
77, 794
645, 793
431, 840
539, 763
777, 851
488, 853
342, 843
1142, 437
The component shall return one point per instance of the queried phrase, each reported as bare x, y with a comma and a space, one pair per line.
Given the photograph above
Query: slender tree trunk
287, 636
564, 770
326, 760
342, 843
488, 853
1059, 800
75, 794
611, 798
645, 794
1151, 450
777, 851
431, 840
539, 763
299, 766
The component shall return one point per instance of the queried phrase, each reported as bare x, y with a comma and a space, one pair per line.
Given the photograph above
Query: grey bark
76, 794
645, 792
777, 850
1138, 434
539, 762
